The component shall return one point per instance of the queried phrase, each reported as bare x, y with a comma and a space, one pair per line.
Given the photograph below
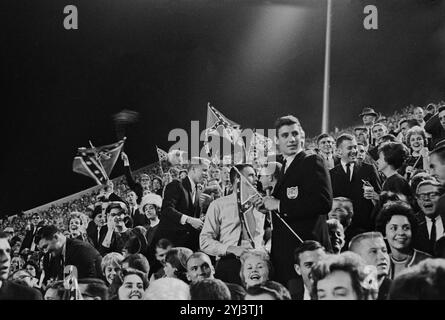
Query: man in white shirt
225, 236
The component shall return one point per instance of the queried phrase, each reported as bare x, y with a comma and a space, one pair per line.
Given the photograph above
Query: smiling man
302, 196
372, 248
347, 181
306, 256
431, 225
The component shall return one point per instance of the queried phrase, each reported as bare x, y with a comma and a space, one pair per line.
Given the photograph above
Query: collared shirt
64, 251
152, 225
222, 227
193, 187
306, 295
289, 160
351, 166
439, 226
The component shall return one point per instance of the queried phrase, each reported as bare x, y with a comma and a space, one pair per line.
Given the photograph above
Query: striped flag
230, 129
97, 163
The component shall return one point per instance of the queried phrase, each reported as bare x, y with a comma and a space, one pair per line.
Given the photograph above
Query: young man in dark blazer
180, 214
302, 197
348, 181
62, 251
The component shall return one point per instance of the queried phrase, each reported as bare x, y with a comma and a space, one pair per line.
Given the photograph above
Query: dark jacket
95, 238
305, 195
433, 127
342, 187
29, 238
421, 239
81, 254
178, 201
136, 187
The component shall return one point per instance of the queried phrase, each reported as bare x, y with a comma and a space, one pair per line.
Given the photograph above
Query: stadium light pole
327, 64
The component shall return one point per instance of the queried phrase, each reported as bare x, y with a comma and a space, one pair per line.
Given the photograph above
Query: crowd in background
386, 231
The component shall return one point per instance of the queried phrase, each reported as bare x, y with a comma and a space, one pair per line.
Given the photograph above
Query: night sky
253, 60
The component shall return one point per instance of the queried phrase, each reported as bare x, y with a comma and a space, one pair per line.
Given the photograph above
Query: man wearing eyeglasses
431, 224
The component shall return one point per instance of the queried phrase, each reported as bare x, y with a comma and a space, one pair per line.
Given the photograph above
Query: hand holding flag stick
264, 199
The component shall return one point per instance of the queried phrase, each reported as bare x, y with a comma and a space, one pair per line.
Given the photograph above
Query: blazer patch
292, 192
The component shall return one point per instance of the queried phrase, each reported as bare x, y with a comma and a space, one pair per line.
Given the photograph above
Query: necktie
195, 195
284, 166
348, 171
250, 224
433, 233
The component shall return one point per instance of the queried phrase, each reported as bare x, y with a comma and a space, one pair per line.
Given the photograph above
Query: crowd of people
355, 214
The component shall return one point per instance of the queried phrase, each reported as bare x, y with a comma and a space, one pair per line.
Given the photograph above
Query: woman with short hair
398, 224
255, 268
176, 263
133, 285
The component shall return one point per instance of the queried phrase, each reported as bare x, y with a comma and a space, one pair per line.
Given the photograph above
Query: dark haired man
348, 181
180, 214
93, 289
306, 255
62, 251
436, 126
302, 196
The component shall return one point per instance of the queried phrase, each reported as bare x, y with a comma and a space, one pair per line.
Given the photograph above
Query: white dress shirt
351, 167
439, 226
222, 227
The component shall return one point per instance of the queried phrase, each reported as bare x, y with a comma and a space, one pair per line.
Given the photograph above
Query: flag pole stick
159, 160
278, 216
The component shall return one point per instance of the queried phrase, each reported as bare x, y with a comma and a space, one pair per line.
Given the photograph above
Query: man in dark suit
347, 181
306, 255
431, 223
134, 211
29, 240
10, 290
97, 228
302, 196
180, 213
62, 251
